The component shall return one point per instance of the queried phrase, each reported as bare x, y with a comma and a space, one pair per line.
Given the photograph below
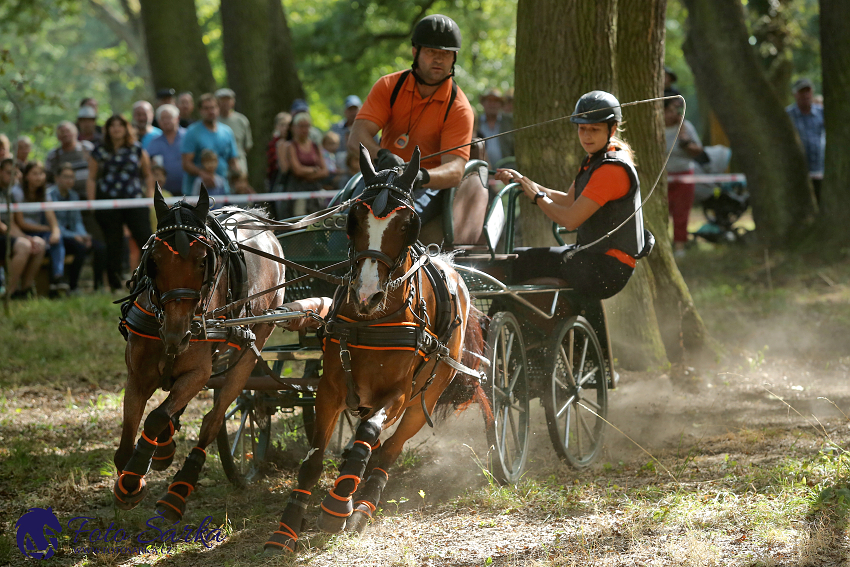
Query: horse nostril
376, 299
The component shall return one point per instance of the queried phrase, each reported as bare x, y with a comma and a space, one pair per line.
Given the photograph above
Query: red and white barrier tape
718, 177
109, 204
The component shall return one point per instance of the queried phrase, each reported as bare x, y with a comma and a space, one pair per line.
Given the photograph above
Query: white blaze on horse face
369, 280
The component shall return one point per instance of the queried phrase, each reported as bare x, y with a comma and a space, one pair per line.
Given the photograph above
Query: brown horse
392, 343
189, 267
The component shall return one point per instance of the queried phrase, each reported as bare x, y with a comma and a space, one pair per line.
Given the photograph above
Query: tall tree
835, 53
178, 56
728, 71
260, 69
565, 49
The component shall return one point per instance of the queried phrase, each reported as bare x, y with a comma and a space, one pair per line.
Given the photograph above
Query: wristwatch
537, 196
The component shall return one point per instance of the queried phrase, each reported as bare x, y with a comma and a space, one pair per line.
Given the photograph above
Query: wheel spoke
567, 426
512, 385
578, 432
237, 438
558, 382
596, 406
583, 355
509, 347
587, 377
503, 368
503, 445
232, 412
565, 406
590, 434
514, 431
569, 366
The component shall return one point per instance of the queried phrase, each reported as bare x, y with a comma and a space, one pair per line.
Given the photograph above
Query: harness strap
335, 280
352, 400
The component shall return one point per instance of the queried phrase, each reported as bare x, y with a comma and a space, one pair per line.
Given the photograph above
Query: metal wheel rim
244, 438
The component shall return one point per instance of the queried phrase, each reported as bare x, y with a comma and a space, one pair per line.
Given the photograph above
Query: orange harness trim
170, 505
237, 347
307, 492
368, 504
355, 478
284, 546
337, 514
288, 531
338, 497
383, 471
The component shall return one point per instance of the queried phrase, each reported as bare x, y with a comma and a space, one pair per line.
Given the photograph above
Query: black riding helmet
437, 32
599, 106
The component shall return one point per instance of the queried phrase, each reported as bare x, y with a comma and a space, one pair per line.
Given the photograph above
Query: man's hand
422, 178
387, 160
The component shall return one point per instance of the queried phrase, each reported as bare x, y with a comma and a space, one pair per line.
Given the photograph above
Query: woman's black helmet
599, 106
438, 32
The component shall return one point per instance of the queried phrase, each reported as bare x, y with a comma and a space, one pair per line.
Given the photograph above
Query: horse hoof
164, 456
359, 519
171, 507
279, 545
330, 524
128, 500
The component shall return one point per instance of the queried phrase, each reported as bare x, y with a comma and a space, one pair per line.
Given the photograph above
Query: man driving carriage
424, 107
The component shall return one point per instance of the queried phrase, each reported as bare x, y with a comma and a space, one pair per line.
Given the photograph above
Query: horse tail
465, 389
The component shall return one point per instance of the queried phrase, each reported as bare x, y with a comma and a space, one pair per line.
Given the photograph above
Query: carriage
542, 341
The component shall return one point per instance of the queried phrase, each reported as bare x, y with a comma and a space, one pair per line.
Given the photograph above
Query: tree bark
640, 72
763, 138
178, 56
565, 48
260, 69
835, 59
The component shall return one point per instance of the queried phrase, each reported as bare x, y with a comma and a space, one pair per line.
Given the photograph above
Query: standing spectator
117, 169
508, 106
493, 121
86, 126
342, 129
186, 104
165, 150
72, 151
27, 251
281, 127
208, 133
142, 118
807, 117
209, 163
23, 147
75, 239
163, 96
4, 147
43, 224
670, 79
306, 165
680, 195
330, 147
238, 122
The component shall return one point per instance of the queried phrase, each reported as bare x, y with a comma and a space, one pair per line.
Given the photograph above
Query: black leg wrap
337, 507
166, 447
131, 488
157, 421
285, 537
367, 501
172, 506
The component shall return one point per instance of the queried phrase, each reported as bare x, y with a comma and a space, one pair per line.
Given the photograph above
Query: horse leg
337, 507
330, 401
131, 488
382, 459
166, 446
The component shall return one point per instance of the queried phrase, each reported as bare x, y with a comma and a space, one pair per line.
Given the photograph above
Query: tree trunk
565, 48
260, 69
763, 138
835, 59
640, 72
177, 54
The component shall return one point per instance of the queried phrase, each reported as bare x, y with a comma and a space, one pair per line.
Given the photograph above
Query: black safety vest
629, 238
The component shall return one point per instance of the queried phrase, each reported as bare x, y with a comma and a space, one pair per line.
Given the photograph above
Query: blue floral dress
120, 173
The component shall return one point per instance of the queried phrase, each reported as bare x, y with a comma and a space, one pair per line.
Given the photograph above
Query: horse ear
366, 167
409, 176
203, 206
159, 203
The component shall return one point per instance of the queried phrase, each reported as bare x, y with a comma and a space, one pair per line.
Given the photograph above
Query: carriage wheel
508, 393
343, 436
576, 400
244, 438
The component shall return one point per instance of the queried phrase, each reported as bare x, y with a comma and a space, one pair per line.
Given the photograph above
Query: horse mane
465, 389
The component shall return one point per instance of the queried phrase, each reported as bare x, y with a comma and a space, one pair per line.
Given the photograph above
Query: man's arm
448, 174
363, 132
192, 169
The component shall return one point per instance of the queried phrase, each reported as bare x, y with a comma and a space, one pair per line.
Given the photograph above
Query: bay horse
393, 342
189, 267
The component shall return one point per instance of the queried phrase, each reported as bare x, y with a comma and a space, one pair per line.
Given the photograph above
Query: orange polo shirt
420, 118
609, 183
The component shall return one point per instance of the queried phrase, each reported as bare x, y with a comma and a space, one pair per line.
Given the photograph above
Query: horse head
181, 265
382, 226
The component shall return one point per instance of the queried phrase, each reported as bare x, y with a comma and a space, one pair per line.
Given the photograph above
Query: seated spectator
86, 128
239, 184
33, 189
23, 146
209, 163
75, 239
299, 106
186, 104
27, 251
69, 151
330, 147
165, 149
307, 166
680, 196
142, 121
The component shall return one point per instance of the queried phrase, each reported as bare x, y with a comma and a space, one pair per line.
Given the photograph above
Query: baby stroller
722, 203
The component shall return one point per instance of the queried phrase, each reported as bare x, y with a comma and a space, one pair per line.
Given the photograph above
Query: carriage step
268, 383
